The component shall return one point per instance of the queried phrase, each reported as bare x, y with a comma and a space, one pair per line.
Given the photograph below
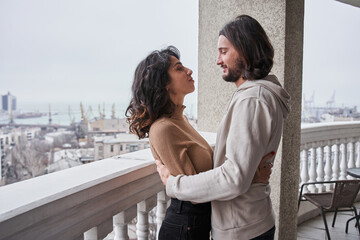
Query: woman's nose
189, 72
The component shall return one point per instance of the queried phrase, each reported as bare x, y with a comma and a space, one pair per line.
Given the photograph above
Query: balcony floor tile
314, 229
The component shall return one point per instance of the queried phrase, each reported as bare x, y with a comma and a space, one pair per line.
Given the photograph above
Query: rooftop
119, 138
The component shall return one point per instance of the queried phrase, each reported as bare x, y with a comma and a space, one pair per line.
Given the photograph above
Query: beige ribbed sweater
178, 145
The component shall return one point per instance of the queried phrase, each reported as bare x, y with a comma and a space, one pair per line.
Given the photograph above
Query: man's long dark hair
251, 42
150, 99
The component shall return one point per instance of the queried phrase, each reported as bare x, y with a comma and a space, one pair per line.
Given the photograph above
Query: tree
68, 137
26, 160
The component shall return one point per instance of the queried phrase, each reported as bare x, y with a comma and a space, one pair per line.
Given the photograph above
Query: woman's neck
177, 100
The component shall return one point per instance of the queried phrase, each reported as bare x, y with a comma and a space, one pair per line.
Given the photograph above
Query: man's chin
228, 79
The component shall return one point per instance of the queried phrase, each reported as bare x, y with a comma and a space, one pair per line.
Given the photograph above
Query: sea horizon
60, 111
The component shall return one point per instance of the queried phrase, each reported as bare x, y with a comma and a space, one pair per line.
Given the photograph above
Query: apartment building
8, 102
109, 146
109, 125
12, 136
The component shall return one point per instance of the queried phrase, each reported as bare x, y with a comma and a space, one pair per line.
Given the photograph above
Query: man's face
229, 60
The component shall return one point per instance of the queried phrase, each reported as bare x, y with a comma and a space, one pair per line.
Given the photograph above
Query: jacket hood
272, 84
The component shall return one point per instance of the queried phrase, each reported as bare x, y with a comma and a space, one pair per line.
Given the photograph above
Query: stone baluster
304, 169
336, 164
91, 234
351, 153
120, 229
320, 168
162, 199
142, 226
328, 166
358, 154
121, 221
312, 172
343, 163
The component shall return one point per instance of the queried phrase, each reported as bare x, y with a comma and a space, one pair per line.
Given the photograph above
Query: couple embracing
225, 192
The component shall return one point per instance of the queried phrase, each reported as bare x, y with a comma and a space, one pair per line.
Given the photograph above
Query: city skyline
72, 52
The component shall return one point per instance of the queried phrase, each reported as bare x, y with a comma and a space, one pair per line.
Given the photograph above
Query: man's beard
236, 72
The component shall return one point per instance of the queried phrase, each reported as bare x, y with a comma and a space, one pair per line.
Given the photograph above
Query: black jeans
184, 220
269, 235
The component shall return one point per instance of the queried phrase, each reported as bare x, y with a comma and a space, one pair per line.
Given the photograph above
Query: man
252, 126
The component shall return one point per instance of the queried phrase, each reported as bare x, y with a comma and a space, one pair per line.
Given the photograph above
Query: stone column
283, 22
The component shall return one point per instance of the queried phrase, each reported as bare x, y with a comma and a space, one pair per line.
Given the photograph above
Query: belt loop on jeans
180, 206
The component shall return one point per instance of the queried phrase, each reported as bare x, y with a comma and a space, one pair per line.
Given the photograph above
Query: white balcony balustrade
327, 151
86, 202
93, 200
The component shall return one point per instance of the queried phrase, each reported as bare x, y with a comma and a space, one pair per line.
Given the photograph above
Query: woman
156, 110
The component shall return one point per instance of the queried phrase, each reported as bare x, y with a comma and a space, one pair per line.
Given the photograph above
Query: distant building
51, 136
329, 114
67, 158
73, 154
8, 102
10, 137
2, 159
110, 146
109, 125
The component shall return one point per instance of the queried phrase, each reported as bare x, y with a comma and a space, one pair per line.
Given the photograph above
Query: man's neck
239, 82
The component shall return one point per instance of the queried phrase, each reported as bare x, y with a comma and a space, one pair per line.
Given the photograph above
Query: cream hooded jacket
251, 128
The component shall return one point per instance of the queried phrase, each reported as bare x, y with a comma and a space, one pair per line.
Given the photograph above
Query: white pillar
121, 221
343, 163
160, 210
304, 169
336, 165
358, 154
351, 153
312, 172
142, 226
328, 166
320, 167
91, 234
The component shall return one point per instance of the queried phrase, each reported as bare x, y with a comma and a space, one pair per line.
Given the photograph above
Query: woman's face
181, 82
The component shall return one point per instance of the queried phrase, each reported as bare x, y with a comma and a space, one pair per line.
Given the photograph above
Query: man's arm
248, 136
262, 174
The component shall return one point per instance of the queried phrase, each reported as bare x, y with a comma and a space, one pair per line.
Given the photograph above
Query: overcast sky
331, 52
87, 50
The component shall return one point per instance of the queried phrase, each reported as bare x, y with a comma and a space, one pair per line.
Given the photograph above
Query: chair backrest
345, 193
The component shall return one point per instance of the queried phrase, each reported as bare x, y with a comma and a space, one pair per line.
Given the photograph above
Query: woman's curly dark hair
252, 43
150, 99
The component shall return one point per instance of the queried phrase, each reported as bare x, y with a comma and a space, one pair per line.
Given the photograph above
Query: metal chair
340, 199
